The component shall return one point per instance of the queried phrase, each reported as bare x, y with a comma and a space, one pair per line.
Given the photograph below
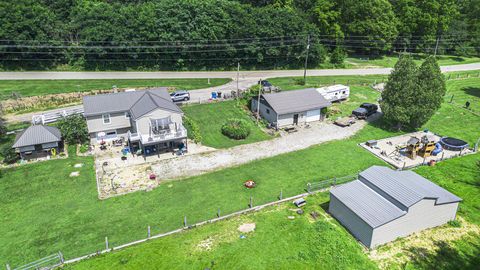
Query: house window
267, 110
127, 115
106, 118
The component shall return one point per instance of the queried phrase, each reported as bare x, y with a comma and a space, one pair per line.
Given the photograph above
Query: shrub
193, 129
299, 81
74, 129
83, 148
455, 223
237, 129
9, 154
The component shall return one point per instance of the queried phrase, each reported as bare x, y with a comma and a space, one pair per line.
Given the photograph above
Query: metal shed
383, 204
37, 141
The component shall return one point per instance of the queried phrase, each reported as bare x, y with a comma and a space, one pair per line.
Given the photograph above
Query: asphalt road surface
206, 74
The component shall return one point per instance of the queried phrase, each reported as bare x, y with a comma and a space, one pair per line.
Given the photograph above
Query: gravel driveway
198, 164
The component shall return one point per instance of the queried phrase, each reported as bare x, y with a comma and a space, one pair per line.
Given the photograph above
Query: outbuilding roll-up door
313, 115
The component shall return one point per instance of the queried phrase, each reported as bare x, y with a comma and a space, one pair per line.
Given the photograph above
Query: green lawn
44, 210
291, 83
211, 117
300, 243
44, 87
462, 90
291, 244
389, 61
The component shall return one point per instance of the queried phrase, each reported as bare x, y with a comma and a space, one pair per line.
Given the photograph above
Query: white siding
265, 112
422, 215
117, 121
359, 228
143, 123
313, 115
287, 119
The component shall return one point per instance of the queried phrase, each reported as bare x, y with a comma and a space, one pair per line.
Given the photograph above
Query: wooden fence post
251, 202
148, 231
443, 153
106, 242
281, 194
309, 187
335, 181
185, 221
218, 212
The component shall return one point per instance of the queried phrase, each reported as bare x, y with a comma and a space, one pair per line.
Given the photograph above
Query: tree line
216, 34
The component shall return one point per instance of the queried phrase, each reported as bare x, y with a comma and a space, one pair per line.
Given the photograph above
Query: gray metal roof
406, 187
138, 103
374, 209
376, 196
39, 134
296, 101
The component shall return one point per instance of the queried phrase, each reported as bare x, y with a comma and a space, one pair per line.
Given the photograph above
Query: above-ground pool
453, 144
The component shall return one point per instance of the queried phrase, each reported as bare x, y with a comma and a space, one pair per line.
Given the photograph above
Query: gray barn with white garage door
291, 107
384, 204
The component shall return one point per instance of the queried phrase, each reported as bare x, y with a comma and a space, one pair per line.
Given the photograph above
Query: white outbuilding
383, 205
291, 107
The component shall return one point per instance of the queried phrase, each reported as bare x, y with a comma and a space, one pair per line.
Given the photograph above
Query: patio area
117, 176
395, 150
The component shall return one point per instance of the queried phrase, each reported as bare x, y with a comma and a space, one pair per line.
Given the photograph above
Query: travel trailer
334, 92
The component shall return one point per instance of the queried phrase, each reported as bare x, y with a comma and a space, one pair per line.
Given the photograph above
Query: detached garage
291, 107
384, 204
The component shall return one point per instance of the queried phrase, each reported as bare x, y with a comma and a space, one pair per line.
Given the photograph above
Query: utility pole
238, 75
306, 61
436, 46
258, 100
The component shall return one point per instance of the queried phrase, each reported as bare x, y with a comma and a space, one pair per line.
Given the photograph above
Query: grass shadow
445, 256
472, 91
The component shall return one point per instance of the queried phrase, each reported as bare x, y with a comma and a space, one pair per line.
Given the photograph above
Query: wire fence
45, 263
325, 184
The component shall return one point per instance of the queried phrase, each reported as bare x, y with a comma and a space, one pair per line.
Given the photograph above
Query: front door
295, 119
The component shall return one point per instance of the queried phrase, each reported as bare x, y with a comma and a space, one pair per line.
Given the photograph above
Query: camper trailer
334, 92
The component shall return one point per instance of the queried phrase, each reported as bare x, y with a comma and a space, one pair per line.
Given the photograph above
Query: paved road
206, 74
246, 79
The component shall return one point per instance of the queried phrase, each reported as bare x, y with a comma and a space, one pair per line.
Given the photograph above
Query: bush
237, 129
9, 154
83, 148
299, 81
193, 129
74, 129
455, 223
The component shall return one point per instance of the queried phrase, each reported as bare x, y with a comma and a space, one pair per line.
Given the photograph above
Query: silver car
181, 95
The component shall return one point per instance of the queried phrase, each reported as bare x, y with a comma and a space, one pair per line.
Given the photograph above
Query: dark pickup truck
365, 110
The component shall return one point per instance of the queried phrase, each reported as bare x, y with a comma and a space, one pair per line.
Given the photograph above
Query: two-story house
148, 119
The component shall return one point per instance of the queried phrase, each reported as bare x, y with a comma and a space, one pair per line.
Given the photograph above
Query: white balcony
158, 137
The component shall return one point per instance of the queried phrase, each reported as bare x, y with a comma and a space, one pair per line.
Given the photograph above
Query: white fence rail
51, 117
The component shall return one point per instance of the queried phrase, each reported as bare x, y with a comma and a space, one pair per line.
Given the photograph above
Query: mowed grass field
44, 210
390, 61
44, 87
211, 117
301, 243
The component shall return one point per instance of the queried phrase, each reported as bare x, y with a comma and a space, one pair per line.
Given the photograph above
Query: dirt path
198, 164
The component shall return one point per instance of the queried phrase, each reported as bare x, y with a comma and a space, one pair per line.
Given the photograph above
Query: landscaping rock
291, 217
75, 174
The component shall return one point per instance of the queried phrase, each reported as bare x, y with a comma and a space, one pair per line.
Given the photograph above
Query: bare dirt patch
247, 227
400, 251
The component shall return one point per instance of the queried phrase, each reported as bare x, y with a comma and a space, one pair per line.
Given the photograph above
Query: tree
370, 25
9, 154
431, 89
412, 96
398, 96
74, 129
338, 56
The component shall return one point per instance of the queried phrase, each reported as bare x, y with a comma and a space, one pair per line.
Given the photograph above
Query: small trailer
334, 92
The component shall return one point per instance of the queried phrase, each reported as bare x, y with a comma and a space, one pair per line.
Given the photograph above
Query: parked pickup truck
345, 121
365, 110
268, 87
